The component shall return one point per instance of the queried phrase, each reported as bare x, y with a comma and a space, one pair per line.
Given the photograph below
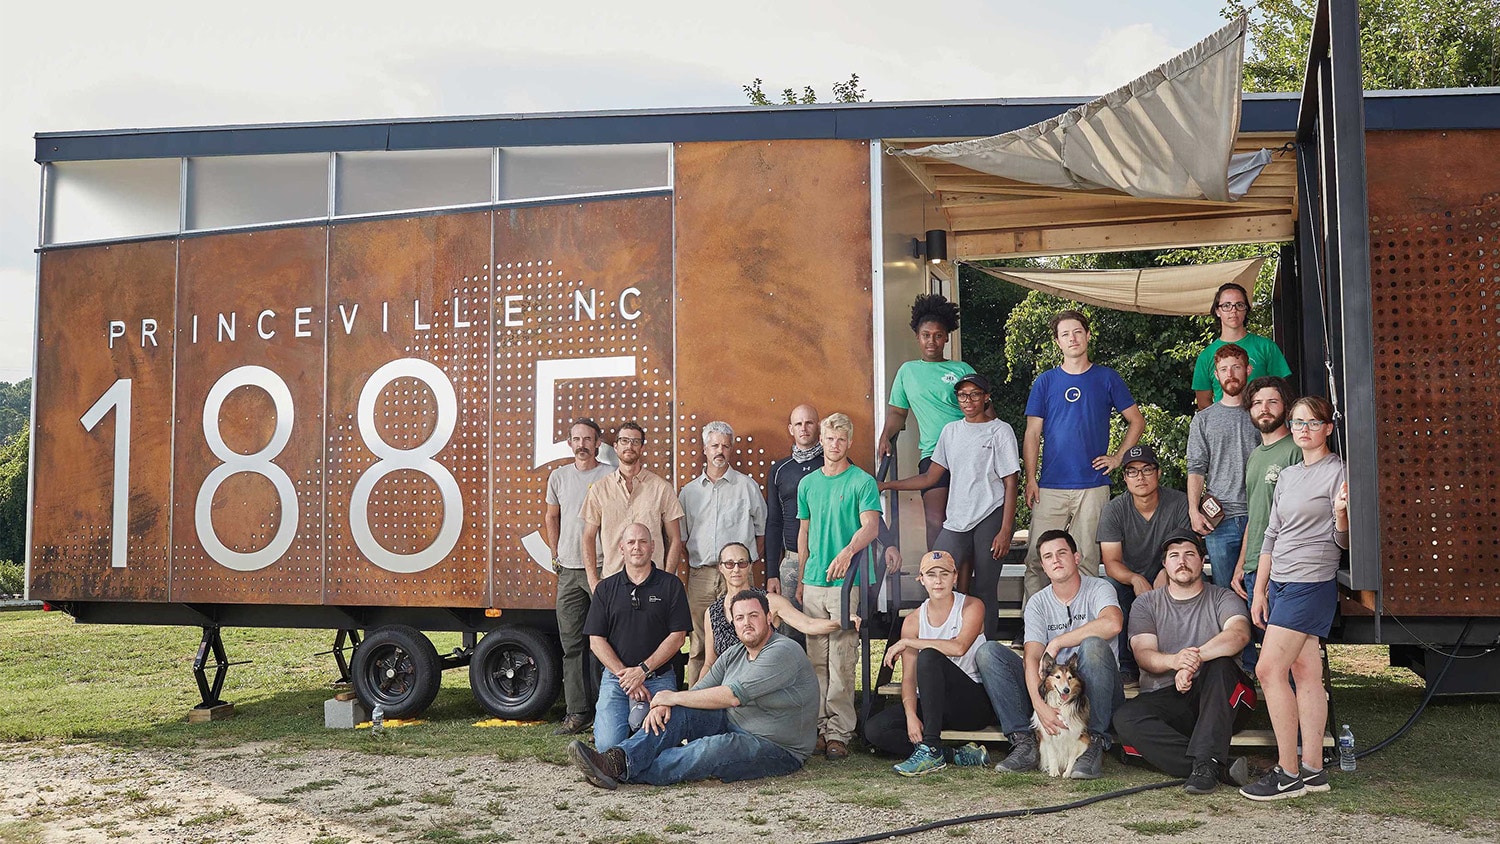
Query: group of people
1265, 506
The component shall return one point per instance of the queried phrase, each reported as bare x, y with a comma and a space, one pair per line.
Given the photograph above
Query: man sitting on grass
753, 714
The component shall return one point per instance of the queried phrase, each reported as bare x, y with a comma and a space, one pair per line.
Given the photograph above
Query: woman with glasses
1231, 313
981, 454
734, 565
1296, 598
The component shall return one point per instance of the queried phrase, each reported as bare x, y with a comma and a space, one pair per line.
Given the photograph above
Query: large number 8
418, 458
258, 463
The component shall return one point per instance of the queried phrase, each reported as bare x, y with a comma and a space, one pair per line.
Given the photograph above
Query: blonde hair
838, 422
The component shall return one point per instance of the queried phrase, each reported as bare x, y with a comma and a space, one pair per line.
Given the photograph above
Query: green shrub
12, 578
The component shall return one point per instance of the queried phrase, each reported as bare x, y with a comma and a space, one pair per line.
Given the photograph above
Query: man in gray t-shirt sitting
1187, 638
753, 714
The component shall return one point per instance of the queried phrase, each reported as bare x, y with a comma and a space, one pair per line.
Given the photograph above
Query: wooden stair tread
1244, 738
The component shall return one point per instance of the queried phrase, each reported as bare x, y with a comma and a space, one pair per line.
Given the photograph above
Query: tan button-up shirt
611, 507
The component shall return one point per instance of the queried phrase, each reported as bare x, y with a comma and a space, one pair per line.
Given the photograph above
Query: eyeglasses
1226, 307
970, 395
735, 564
1140, 471
629, 440
635, 601
1309, 424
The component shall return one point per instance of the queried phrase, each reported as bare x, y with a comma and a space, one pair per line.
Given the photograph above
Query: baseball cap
1181, 536
974, 378
1140, 453
937, 560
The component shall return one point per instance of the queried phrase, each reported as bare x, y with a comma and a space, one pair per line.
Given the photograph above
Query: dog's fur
1062, 688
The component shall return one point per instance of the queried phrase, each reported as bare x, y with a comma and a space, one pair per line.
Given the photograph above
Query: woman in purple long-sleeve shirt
1296, 600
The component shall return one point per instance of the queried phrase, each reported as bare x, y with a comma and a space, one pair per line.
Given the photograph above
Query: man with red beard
1220, 440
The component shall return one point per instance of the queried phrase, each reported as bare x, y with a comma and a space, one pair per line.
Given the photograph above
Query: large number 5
418, 458
258, 463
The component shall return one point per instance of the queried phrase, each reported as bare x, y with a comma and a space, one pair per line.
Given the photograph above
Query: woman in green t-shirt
926, 387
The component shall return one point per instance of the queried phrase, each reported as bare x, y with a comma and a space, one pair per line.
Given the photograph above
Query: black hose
1008, 813
1421, 707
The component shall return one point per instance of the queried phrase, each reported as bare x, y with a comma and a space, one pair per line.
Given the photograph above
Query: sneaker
923, 760
572, 724
604, 770
971, 755
1238, 773
837, 751
1090, 765
1316, 781
1023, 754
1277, 785
1204, 779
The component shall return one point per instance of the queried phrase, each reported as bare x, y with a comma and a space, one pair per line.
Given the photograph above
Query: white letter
416, 316
385, 317
148, 329
116, 329
624, 309
260, 324
301, 318
457, 321
513, 309
195, 328
580, 304
348, 317
226, 327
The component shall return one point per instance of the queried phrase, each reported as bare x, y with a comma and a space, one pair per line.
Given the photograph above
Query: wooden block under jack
204, 714
345, 696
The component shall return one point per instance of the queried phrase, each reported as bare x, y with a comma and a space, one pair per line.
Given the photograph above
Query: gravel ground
266, 793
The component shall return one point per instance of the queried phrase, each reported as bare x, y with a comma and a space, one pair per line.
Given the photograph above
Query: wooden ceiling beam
1123, 237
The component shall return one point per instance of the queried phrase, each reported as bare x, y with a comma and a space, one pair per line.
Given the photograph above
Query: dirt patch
262, 794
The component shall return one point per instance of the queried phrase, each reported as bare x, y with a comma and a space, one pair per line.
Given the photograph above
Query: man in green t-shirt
1268, 399
839, 507
1231, 311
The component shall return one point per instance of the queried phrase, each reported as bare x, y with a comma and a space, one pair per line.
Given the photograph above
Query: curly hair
934, 307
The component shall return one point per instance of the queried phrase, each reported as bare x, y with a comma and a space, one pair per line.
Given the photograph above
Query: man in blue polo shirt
1070, 406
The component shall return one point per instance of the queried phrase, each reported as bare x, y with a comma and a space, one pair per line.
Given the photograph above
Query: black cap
1140, 453
1181, 537
974, 378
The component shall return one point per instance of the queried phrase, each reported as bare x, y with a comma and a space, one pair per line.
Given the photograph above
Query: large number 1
117, 397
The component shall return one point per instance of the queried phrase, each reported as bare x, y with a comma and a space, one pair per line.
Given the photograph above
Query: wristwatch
646, 668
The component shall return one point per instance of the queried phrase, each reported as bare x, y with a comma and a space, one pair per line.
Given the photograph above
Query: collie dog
1062, 688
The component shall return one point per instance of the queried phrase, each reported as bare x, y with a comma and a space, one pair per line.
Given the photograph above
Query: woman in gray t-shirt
1296, 600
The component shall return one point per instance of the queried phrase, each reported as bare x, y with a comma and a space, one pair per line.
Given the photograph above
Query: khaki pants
1075, 511
833, 658
580, 679
704, 586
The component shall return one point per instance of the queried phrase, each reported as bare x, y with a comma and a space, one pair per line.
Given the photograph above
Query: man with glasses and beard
636, 625
1220, 440
1231, 313
567, 487
633, 493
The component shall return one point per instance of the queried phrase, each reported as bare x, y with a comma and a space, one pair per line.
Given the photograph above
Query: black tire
397, 668
516, 672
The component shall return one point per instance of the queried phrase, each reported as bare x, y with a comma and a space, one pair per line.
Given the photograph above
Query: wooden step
1244, 738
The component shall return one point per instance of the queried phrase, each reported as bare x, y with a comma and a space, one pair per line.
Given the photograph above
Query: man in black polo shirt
637, 622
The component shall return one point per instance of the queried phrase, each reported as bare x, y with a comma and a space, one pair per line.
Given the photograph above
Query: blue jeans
612, 713
1251, 654
1125, 593
1224, 548
714, 748
1003, 672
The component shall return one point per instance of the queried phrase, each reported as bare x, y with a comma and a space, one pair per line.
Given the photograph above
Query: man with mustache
562, 529
1268, 399
631, 494
1187, 639
1220, 440
720, 506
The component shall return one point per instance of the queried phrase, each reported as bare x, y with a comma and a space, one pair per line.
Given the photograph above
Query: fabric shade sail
1176, 291
1167, 135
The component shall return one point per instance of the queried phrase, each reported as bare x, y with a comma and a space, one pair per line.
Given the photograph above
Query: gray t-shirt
1220, 439
1182, 624
979, 456
1141, 539
1300, 535
777, 690
566, 488
1047, 618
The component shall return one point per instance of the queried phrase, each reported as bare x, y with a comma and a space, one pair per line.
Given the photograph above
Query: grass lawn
131, 687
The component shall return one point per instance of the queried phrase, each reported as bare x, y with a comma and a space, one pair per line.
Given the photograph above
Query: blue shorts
1304, 607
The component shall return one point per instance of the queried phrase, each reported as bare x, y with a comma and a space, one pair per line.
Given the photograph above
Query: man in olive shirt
752, 715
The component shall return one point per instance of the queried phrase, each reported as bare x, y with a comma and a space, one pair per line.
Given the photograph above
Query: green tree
1403, 43
847, 91
13, 477
15, 407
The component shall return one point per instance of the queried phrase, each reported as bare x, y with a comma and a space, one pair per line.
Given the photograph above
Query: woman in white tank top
940, 686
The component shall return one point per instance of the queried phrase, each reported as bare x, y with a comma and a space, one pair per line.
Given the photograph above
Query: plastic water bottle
1346, 750
377, 719
638, 711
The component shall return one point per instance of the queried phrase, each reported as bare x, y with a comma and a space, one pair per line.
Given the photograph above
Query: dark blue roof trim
1474, 108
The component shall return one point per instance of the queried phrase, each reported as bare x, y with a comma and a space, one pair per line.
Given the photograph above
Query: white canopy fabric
1169, 134
1178, 291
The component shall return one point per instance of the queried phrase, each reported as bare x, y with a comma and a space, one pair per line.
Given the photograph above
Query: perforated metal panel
1434, 228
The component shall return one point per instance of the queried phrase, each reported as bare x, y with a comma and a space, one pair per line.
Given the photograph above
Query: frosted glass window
532, 172
109, 200
375, 182
243, 190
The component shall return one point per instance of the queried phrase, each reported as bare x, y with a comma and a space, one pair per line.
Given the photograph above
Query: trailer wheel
516, 672
398, 668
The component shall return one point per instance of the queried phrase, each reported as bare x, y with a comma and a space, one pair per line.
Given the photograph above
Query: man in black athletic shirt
783, 569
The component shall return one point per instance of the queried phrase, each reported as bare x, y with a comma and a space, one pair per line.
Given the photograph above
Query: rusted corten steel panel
582, 313
104, 356
1434, 222
409, 412
774, 307
248, 484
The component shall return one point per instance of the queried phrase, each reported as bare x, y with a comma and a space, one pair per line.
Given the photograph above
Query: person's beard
1266, 426
1232, 387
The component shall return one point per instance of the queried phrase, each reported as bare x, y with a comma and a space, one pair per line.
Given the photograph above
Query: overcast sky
106, 66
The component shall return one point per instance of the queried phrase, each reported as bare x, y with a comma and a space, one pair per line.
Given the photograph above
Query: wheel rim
391, 674
511, 674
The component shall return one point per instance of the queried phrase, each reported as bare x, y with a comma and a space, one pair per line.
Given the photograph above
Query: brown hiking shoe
572, 724
837, 751
604, 770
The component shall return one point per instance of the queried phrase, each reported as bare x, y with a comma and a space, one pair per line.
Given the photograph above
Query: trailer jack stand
211, 708
346, 640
